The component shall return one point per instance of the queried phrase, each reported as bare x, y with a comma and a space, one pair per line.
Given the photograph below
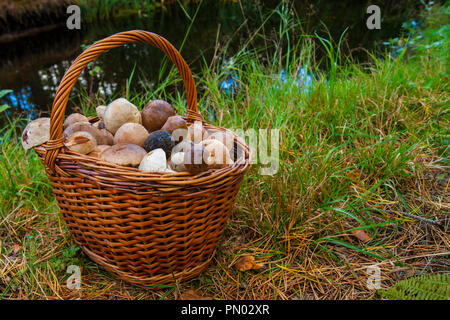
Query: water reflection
33, 67
21, 101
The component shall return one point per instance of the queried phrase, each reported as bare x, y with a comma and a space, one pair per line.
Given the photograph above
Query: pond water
32, 67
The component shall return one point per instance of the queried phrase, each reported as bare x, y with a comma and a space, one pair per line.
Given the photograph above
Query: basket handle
56, 142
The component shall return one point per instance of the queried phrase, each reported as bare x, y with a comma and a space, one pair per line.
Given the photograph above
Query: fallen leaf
193, 294
361, 235
245, 263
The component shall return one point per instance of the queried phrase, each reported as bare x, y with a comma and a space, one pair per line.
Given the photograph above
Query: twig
414, 216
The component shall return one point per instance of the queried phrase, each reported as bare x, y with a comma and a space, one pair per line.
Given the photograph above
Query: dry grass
33, 261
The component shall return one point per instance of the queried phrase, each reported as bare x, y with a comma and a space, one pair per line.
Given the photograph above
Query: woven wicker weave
146, 228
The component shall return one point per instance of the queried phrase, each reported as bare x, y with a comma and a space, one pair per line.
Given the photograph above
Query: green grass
23, 182
354, 154
364, 126
425, 287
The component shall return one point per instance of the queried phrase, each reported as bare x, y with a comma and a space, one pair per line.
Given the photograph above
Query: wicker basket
146, 228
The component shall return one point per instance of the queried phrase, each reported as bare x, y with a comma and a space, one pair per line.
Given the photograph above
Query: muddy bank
17, 17
22, 18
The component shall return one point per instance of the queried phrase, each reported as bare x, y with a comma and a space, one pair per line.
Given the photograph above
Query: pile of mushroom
155, 139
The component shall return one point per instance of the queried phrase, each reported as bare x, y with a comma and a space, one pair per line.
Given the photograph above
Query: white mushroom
177, 162
155, 160
100, 111
118, 112
36, 133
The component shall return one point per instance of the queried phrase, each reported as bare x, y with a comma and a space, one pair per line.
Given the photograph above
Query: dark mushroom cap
159, 139
155, 114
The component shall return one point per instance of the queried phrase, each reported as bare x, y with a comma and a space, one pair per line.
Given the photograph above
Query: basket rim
109, 172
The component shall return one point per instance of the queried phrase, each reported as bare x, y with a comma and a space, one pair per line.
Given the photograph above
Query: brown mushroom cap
155, 114
177, 127
173, 123
73, 118
196, 159
124, 154
81, 142
108, 136
86, 126
118, 112
98, 150
36, 133
133, 133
